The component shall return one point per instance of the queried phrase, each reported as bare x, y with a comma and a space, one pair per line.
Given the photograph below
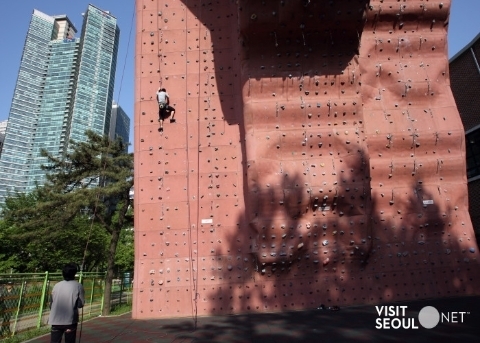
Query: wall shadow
278, 39
355, 324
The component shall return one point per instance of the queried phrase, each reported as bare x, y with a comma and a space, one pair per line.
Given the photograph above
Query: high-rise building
3, 128
119, 124
64, 87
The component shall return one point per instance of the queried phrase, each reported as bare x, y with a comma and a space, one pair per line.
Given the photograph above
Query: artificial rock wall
317, 157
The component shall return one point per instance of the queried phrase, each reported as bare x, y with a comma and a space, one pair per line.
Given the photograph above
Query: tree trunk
110, 270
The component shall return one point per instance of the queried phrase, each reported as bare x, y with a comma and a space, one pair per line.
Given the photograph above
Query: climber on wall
164, 109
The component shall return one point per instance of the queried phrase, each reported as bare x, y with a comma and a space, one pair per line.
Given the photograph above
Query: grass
27, 335
117, 310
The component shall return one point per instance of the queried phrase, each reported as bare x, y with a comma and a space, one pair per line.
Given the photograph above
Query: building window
473, 153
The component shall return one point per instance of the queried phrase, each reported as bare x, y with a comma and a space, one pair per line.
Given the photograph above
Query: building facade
3, 128
119, 124
465, 83
64, 87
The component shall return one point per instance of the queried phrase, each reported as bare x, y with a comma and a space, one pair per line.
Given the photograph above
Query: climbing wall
317, 157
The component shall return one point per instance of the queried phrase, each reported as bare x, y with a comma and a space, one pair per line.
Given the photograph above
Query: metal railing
24, 298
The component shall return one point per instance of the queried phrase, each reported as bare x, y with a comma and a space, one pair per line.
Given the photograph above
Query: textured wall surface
318, 157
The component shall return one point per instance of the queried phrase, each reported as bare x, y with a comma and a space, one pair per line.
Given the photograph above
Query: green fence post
103, 292
20, 298
42, 301
91, 295
121, 292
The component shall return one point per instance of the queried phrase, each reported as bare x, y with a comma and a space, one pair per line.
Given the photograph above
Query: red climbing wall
317, 157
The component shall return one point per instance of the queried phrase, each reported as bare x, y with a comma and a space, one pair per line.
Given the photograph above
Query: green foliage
9, 257
39, 245
124, 258
19, 237
74, 180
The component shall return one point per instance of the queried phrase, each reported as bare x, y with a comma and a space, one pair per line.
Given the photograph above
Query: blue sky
464, 26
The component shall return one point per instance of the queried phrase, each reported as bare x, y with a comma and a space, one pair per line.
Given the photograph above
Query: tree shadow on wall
404, 249
401, 249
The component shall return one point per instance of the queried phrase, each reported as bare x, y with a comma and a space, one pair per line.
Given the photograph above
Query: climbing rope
192, 258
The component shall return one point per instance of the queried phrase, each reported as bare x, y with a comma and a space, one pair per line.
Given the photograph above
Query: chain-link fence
24, 298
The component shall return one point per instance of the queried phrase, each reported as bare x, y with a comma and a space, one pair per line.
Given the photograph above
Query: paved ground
352, 324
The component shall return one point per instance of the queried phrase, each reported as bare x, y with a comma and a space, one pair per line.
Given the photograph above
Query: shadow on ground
351, 324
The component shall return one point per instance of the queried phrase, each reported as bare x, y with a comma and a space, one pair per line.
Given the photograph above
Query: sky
464, 25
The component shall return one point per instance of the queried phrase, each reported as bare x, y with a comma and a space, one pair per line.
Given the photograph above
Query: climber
164, 108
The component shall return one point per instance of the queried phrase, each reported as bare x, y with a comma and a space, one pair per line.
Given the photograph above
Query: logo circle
429, 317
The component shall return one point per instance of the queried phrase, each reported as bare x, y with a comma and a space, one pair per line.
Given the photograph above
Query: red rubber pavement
350, 324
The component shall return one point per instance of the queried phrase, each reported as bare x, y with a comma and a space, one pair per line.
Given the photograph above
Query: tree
31, 242
12, 252
124, 259
94, 178
9, 258
84, 203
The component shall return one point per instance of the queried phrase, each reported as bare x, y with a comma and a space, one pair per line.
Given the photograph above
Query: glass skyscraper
96, 74
119, 124
3, 128
64, 87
